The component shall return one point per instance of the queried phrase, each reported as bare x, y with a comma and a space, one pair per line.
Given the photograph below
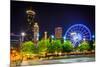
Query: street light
93, 36
52, 36
22, 35
64, 38
84, 39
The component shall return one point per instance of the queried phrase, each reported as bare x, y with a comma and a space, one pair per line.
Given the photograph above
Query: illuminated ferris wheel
77, 33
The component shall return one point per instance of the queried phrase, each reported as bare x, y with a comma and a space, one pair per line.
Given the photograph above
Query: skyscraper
36, 33
58, 32
45, 35
30, 16
30, 23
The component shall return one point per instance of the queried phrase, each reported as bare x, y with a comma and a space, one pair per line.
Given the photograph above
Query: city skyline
49, 20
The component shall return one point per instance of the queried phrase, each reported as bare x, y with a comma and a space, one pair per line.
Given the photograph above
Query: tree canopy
27, 47
67, 46
84, 46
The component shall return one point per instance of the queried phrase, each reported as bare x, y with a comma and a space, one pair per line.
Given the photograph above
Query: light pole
52, 36
93, 37
22, 36
64, 38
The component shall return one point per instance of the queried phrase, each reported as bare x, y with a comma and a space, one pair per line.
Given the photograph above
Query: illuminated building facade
45, 35
36, 33
30, 16
58, 32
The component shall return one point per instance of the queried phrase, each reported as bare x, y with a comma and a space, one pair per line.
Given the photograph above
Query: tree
84, 46
54, 46
92, 45
57, 45
50, 48
43, 45
27, 47
67, 46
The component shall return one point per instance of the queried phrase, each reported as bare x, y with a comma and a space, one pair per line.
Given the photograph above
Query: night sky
51, 15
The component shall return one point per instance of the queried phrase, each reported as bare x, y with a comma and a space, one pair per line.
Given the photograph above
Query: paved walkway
70, 60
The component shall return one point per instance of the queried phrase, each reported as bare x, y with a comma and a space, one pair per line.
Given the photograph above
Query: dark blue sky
50, 16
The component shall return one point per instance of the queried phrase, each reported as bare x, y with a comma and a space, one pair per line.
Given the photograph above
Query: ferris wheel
77, 33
